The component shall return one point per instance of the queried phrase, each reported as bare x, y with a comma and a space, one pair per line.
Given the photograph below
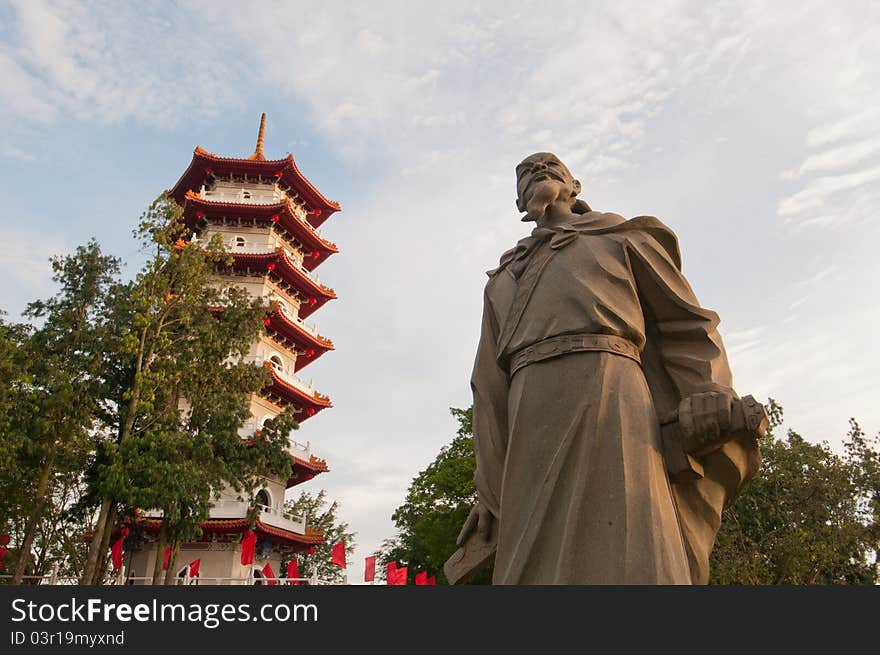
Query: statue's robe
569, 456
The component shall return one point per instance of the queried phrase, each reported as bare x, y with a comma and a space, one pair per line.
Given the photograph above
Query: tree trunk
101, 568
24, 551
158, 573
95, 545
172, 564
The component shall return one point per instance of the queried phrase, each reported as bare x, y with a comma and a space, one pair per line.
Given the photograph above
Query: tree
177, 390
809, 516
63, 377
322, 517
436, 506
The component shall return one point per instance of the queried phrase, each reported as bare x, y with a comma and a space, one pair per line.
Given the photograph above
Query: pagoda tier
287, 391
294, 335
229, 530
206, 166
286, 275
304, 465
305, 470
281, 216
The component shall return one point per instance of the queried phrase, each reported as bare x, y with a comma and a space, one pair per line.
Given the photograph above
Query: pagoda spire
258, 153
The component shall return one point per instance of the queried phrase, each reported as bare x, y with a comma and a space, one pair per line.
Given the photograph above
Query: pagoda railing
293, 380
297, 449
311, 328
242, 196
302, 451
227, 508
248, 197
295, 258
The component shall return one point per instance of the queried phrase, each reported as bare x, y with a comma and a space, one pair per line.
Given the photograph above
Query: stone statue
608, 436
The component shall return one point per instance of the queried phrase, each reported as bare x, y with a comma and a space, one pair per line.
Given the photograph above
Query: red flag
370, 568
401, 576
432, 581
166, 559
269, 573
338, 554
293, 571
422, 578
194, 568
247, 547
391, 573
116, 550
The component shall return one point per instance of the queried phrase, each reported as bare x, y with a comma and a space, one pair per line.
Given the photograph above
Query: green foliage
810, 517
177, 388
322, 517
52, 377
437, 503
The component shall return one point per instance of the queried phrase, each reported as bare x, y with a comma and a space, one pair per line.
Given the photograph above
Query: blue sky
749, 128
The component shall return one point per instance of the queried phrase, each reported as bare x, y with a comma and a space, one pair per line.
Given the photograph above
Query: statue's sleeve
489, 383
684, 355
684, 334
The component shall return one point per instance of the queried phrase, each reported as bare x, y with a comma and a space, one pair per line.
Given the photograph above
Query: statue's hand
481, 519
705, 417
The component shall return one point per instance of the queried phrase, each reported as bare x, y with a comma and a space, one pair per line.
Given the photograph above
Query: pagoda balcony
288, 389
285, 215
246, 197
236, 509
287, 274
293, 380
310, 328
227, 508
295, 257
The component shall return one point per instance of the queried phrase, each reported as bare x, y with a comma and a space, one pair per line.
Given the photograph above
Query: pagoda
269, 217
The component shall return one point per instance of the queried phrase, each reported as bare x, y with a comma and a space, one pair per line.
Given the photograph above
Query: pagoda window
277, 362
246, 195
263, 498
240, 242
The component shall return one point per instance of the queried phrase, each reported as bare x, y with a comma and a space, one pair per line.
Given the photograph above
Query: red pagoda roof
307, 345
284, 393
285, 171
290, 539
198, 210
276, 264
303, 470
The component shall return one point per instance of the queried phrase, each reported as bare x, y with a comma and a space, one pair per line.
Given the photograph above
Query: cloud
63, 60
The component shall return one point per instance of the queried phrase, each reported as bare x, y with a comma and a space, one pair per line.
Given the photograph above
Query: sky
749, 128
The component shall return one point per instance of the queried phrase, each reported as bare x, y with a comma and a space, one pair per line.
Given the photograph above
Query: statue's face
537, 173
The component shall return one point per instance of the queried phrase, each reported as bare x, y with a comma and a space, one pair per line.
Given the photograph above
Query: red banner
422, 578
293, 570
338, 554
166, 558
248, 543
116, 550
370, 568
194, 568
270, 574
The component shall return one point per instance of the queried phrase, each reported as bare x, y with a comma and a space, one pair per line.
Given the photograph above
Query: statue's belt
572, 343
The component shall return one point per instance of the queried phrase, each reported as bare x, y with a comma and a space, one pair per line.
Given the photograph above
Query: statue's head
541, 180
